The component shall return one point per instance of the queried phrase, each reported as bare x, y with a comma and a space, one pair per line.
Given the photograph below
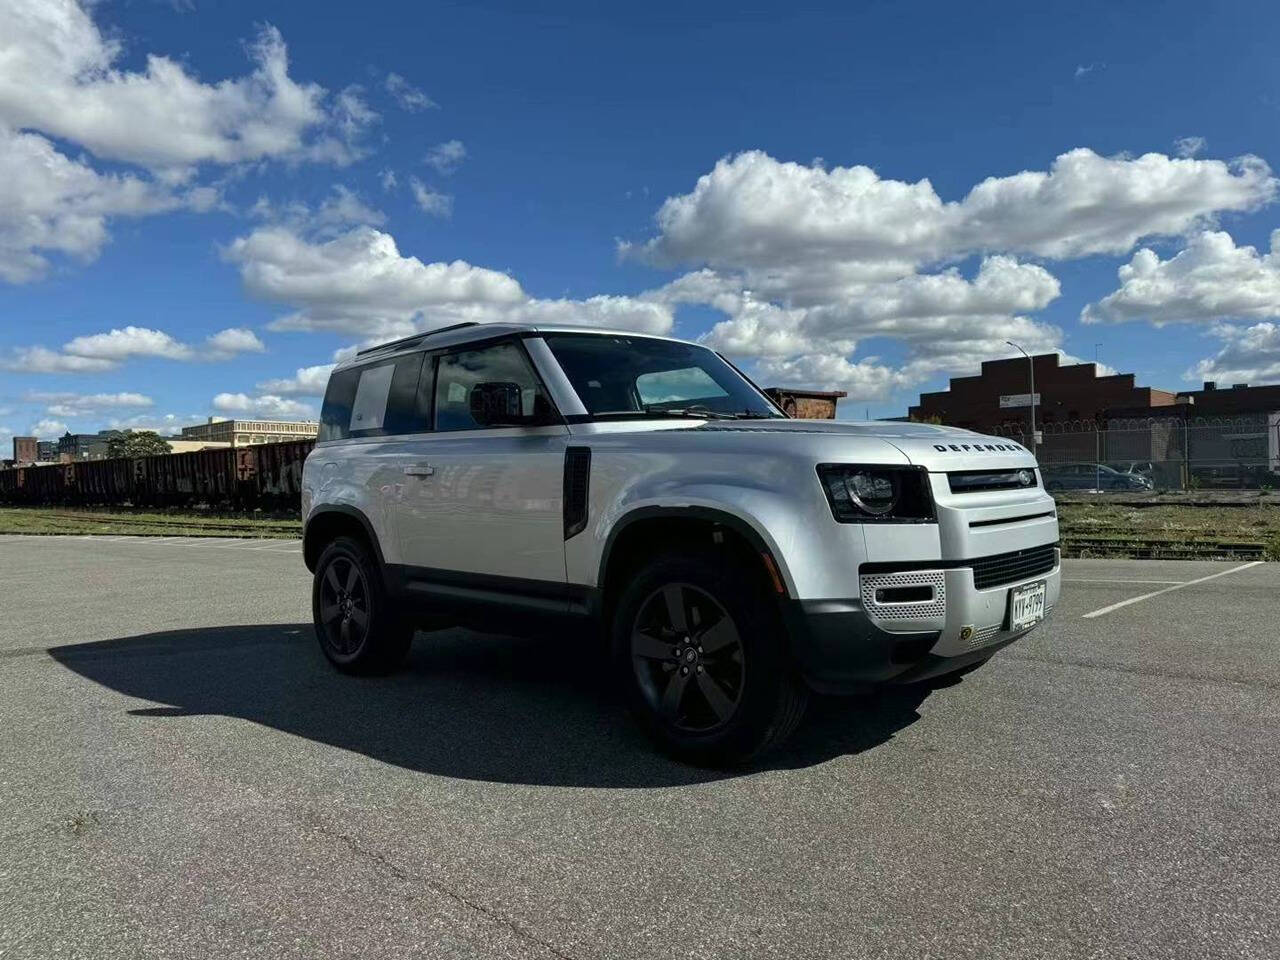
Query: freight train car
267, 475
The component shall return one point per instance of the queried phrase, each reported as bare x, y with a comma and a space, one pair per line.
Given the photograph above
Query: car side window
458, 373
335, 415
380, 399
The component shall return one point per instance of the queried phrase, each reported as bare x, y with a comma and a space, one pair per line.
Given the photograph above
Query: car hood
937, 448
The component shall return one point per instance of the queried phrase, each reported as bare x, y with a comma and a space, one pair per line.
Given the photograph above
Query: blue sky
794, 185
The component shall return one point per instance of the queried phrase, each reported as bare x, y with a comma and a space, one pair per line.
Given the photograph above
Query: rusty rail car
267, 476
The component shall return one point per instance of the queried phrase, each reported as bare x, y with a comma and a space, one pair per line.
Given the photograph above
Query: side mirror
499, 403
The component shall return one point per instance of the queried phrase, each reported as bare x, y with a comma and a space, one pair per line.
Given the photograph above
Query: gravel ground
181, 775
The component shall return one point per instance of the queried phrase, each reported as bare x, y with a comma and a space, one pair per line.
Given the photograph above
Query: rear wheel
355, 625
698, 648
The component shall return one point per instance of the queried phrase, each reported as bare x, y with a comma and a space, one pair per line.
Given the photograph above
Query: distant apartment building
243, 433
84, 446
25, 450
47, 451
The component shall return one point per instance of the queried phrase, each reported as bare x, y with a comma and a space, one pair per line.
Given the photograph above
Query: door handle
420, 470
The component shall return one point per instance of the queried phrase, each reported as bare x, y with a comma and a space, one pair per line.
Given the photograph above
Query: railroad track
1155, 548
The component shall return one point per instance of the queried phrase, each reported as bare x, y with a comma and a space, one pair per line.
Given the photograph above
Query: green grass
123, 521
1090, 528
1101, 529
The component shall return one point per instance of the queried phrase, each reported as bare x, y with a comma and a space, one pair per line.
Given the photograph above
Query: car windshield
621, 375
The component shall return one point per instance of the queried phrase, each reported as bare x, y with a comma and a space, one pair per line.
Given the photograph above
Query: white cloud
359, 283
263, 405
120, 344
234, 340
48, 428
1249, 355
431, 202
307, 382
59, 78
806, 262
1211, 279
169, 424
446, 157
407, 95
59, 75
1189, 146
352, 115
946, 321
49, 203
93, 353
342, 208
754, 211
44, 360
388, 179
79, 404
865, 380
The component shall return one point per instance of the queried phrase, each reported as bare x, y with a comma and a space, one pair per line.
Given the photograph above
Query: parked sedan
1090, 476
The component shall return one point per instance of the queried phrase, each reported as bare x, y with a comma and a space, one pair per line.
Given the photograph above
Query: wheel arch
644, 530
336, 520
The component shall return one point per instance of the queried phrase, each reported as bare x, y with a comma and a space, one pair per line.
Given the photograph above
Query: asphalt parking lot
181, 775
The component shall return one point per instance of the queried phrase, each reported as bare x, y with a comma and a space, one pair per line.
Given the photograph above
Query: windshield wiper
671, 412
700, 413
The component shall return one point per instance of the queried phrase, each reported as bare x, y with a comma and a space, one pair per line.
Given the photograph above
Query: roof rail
414, 338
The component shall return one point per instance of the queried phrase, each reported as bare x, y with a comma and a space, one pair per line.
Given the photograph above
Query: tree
140, 443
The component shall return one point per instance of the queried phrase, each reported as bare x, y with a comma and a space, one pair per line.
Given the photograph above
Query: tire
711, 706
356, 627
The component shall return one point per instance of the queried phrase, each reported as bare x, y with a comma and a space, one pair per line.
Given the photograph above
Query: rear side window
380, 399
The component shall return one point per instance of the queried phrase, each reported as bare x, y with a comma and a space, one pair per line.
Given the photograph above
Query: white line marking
1156, 593
1086, 580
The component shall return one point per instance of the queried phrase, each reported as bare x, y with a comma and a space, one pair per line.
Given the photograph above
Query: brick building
806, 404
1233, 401
1000, 397
25, 450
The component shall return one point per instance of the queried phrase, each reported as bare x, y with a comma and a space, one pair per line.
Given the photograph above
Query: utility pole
1032, 368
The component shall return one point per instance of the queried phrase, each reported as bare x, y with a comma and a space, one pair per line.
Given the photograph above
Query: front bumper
848, 644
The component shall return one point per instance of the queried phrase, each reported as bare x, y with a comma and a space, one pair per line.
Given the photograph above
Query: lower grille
876, 587
1010, 567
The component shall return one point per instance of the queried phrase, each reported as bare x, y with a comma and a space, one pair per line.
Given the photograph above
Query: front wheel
699, 650
355, 624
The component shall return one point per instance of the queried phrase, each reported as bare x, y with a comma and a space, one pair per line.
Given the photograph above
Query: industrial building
999, 397
243, 433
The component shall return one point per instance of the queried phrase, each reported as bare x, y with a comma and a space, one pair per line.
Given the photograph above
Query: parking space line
1113, 580
1157, 593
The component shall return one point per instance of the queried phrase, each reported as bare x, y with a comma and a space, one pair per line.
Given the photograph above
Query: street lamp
1031, 367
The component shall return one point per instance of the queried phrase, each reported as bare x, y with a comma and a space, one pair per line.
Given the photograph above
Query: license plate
1026, 605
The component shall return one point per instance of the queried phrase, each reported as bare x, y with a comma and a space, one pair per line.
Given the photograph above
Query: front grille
1010, 567
975, 481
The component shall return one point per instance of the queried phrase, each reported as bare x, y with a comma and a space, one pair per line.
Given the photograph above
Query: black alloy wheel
688, 658
344, 606
357, 626
699, 649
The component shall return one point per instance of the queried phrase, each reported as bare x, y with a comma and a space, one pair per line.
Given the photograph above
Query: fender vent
577, 481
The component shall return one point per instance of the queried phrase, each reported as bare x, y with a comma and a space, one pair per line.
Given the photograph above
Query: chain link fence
1160, 453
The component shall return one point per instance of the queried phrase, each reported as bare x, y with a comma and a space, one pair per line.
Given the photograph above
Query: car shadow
467, 705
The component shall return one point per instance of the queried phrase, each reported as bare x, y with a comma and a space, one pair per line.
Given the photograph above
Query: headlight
859, 494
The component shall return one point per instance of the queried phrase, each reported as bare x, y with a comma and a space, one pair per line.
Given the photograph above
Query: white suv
505, 476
